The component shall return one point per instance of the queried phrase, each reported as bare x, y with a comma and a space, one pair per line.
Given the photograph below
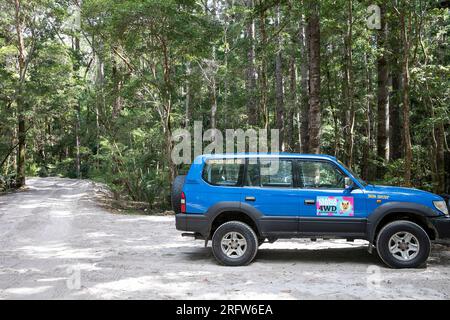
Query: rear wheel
177, 188
234, 243
403, 244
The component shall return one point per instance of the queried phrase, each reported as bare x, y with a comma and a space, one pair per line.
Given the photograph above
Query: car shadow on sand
440, 255
358, 255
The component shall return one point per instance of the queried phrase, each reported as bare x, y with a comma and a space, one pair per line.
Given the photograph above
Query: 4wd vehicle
241, 200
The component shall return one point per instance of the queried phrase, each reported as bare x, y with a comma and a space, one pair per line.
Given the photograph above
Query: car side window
321, 175
275, 173
223, 172
253, 176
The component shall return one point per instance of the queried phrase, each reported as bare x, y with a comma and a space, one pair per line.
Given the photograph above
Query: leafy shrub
7, 181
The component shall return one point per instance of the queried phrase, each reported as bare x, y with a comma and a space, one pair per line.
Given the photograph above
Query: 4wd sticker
335, 206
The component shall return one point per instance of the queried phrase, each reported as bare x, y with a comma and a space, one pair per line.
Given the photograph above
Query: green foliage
122, 80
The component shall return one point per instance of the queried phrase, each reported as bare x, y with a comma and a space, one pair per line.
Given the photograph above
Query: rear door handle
250, 198
310, 202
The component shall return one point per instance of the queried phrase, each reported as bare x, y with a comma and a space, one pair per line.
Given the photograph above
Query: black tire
399, 227
246, 232
175, 196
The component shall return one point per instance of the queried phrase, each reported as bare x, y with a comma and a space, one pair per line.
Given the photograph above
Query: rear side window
223, 172
275, 173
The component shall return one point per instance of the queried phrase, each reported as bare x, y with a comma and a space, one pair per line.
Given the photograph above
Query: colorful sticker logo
335, 206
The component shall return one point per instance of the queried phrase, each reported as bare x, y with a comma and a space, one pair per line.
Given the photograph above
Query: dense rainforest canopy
95, 88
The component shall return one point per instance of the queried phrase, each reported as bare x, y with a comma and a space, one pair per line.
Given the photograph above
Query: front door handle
309, 202
250, 198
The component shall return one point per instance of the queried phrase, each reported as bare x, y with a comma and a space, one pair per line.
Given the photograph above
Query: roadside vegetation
95, 88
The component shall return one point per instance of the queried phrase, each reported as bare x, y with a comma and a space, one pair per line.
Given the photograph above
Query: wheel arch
395, 211
229, 211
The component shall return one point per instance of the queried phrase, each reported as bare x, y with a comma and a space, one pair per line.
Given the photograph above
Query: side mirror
349, 184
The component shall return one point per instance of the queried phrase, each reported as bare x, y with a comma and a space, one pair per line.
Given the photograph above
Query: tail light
183, 203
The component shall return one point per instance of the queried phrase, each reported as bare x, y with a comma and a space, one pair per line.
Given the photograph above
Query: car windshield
361, 181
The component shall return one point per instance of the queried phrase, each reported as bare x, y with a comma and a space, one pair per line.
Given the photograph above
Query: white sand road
57, 243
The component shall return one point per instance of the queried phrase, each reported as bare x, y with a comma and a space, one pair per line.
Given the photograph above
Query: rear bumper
442, 226
192, 223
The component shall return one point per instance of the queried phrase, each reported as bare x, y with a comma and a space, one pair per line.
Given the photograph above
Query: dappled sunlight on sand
60, 251
53, 231
27, 291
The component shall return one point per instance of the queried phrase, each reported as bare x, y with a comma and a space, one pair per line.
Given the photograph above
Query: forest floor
56, 242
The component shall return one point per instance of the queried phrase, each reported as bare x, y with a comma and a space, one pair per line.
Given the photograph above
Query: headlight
441, 206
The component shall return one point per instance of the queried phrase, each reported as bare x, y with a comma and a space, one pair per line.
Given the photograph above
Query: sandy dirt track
57, 243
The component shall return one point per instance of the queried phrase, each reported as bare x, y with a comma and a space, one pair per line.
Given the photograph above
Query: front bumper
442, 226
193, 223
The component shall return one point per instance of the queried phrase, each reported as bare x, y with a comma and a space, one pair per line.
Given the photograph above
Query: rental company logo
335, 206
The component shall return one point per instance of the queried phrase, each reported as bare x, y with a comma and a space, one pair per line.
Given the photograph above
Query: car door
326, 206
269, 187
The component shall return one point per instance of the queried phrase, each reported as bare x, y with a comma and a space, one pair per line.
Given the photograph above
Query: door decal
335, 206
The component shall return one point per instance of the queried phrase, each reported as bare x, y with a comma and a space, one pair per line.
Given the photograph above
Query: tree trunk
290, 144
440, 159
314, 77
304, 111
187, 94
279, 92
77, 106
382, 96
406, 31
447, 171
118, 83
250, 83
332, 108
21, 133
99, 99
396, 145
437, 137
213, 86
365, 166
395, 131
77, 140
263, 82
213, 104
350, 108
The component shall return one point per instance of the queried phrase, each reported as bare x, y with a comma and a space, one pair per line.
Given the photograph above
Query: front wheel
234, 243
403, 244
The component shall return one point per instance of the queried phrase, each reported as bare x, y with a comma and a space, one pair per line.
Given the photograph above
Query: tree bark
349, 94
118, 83
187, 101
290, 144
382, 96
396, 145
250, 83
213, 88
406, 31
395, 131
365, 166
304, 111
313, 24
21, 133
279, 92
263, 82
77, 106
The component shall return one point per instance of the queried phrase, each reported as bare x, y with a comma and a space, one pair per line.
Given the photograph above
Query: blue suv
240, 201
